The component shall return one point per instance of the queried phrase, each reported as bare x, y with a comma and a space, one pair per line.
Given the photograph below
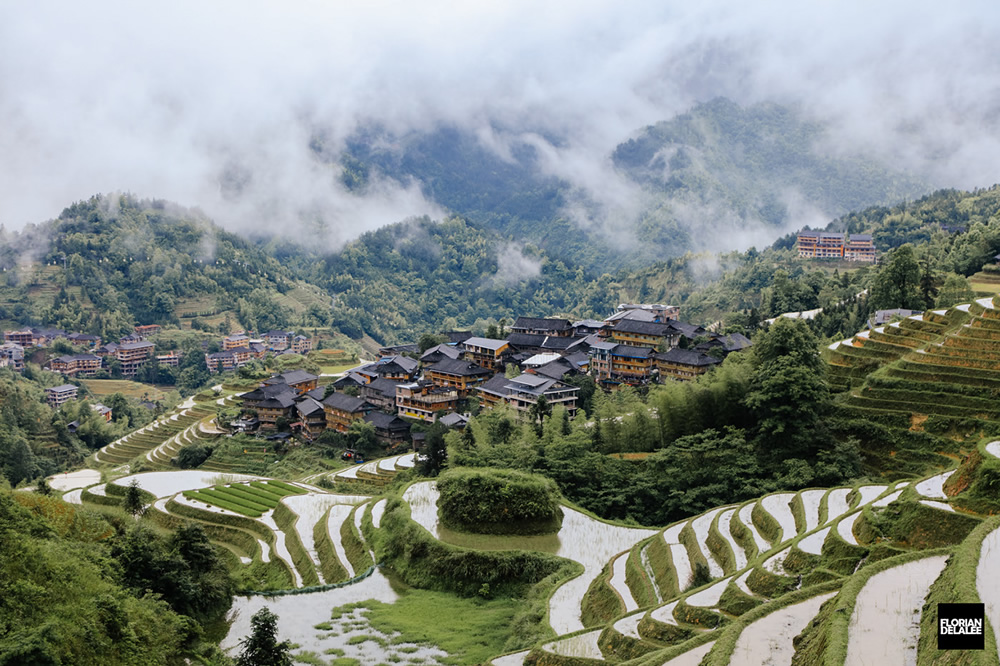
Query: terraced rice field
885, 625
250, 499
769, 639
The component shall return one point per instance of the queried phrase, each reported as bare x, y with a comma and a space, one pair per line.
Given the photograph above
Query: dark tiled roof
521, 340
457, 337
383, 421
350, 379
628, 351
496, 385
69, 358
292, 377
555, 369
137, 345
687, 357
459, 368
386, 387
401, 363
345, 403
454, 419
306, 406
316, 393
541, 324
438, 352
728, 343
645, 327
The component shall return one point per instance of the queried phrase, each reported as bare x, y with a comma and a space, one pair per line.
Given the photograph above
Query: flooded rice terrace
319, 634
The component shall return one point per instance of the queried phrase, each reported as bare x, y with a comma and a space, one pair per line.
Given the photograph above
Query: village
533, 366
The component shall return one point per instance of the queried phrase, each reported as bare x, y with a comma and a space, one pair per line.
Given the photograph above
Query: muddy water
885, 624
581, 645
349, 632
986, 580
810, 503
769, 639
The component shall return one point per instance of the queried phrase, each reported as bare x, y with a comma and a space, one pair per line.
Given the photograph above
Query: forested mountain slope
754, 167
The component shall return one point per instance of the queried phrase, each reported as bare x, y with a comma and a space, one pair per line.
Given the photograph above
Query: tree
435, 454
261, 647
540, 411
428, 340
788, 396
956, 289
132, 502
363, 437
897, 284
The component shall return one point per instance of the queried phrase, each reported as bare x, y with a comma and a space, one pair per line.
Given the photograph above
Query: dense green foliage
498, 502
423, 561
760, 422
35, 440
68, 599
128, 261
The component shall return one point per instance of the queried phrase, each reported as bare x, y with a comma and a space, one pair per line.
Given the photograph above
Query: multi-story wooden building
132, 355
84, 340
859, 247
299, 380
820, 245
147, 330
486, 352
60, 395
389, 428
684, 364
381, 393
631, 365
398, 368
235, 340
342, 410
660, 313
425, 401
230, 359
311, 415
493, 391
12, 356
24, 338
279, 340
84, 365
271, 402
524, 392
540, 326
301, 345
171, 359
462, 376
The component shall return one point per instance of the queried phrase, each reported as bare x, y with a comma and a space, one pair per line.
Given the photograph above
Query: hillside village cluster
636, 345
533, 363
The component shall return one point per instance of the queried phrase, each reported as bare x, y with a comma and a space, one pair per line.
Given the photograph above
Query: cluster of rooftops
538, 358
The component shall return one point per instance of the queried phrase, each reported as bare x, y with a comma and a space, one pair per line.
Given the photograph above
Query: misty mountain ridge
745, 174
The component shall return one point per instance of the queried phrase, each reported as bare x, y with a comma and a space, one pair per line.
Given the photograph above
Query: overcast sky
105, 96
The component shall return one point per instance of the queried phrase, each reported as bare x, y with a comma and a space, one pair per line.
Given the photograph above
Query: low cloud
214, 104
514, 267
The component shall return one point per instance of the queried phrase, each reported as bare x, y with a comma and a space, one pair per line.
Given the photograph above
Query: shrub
490, 501
193, 456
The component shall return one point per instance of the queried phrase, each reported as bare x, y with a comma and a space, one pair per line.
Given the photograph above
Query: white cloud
160, 100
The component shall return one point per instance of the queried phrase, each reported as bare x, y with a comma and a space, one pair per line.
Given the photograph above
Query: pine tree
261, 647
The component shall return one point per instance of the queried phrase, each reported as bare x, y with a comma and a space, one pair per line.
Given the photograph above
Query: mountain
718, 167
114, 261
